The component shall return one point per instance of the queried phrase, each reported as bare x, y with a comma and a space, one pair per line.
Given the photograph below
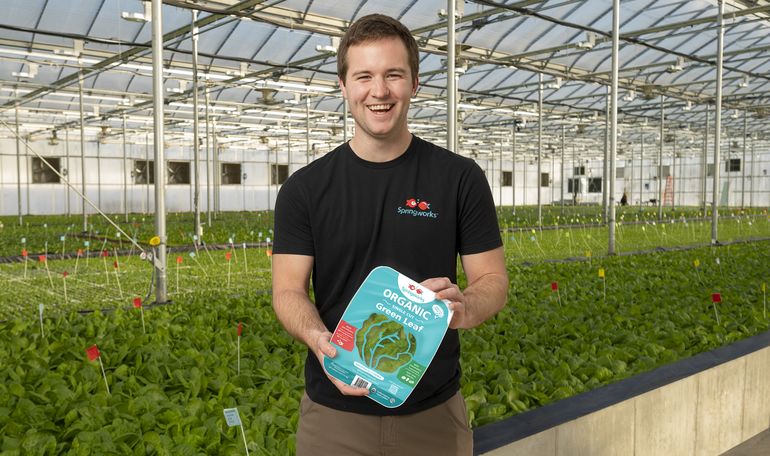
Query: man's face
378, 86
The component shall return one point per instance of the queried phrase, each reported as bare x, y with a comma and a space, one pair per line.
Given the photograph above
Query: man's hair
375, 27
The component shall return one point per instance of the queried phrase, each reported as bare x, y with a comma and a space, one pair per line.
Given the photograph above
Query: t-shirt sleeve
292, 231
478, 229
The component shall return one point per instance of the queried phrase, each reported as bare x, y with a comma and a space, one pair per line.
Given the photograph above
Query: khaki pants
439, 431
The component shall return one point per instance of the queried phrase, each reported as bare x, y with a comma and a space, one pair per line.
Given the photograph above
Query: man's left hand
445, 289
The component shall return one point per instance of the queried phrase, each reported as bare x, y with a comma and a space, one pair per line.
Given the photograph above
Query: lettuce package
388, 336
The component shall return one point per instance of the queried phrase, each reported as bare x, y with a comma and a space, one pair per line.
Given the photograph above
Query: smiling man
385, 198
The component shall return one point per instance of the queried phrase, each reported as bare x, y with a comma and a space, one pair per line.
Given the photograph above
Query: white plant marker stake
87, 245
40, 313
240, 331
117, 272
764, 299
604, 282
245, 262
93, 353
234, 419
64, 283
62, 238
44, 259
228, 256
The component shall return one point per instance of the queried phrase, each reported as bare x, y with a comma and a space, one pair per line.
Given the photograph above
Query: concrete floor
759, 445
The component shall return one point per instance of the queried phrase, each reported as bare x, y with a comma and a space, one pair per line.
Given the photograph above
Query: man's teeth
380, 107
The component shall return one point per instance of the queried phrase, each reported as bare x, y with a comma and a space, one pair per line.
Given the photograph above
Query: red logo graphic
416, 203
411, 287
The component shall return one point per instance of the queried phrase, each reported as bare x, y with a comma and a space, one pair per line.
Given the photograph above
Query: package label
388, 336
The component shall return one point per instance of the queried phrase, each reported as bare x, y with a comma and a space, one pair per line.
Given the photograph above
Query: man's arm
485, 294
298, 314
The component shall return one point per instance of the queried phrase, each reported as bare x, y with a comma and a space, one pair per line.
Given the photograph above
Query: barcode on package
359, 382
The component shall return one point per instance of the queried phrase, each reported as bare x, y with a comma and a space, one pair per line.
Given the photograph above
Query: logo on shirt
417, 208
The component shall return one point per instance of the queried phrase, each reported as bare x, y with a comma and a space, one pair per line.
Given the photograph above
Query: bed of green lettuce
170, 385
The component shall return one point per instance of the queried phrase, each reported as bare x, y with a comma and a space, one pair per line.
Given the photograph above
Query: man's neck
380, 151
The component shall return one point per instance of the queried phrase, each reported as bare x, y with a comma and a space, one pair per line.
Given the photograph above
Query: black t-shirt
414, 214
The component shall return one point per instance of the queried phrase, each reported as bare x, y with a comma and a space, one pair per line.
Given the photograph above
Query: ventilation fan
178, 172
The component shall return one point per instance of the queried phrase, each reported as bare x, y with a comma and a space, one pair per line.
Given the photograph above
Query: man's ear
342, 88
415, 85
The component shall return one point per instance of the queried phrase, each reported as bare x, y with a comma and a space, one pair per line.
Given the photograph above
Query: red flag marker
92, 352
228, 255
554, 286
105, 253
240, 329
137, 303
80, 252
716, 297
24, 253
269, 252
115, 264
179, 260
41, 258
64, 274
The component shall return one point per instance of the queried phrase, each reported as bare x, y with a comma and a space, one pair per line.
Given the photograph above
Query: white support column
613, 126
717, 123
82, 154
196, 129
160, 160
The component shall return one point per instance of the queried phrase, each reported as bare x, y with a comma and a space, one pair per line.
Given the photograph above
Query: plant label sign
388, 336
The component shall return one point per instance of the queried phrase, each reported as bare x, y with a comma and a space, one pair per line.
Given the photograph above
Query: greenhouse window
545, 179
595, 185
573, 186
507, 179
733, 165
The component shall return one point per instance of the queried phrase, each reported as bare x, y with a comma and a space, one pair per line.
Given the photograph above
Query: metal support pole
606, 163
704, 164
147, 172
641, 171
208, 160
451, 81
196, 129
751, 175
500, 176
673, 170
660, 160
717, 122
561, 179
513, 166
67, 160
125, 172
539, 146
18, 168
160, 161
216, 173
269, 177
613, 125
743, 162
82, 154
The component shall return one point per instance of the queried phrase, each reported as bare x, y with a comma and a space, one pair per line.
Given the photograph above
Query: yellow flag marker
601, 272
696, 263
155, 241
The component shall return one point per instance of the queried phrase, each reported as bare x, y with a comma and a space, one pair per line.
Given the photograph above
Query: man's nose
379, 88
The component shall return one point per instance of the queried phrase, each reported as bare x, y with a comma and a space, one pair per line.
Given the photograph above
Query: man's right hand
320, 344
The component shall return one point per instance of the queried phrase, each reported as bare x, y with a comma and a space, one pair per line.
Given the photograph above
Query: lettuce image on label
383, 344
388, 336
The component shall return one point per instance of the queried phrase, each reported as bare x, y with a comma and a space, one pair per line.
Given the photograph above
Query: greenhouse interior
626, 146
